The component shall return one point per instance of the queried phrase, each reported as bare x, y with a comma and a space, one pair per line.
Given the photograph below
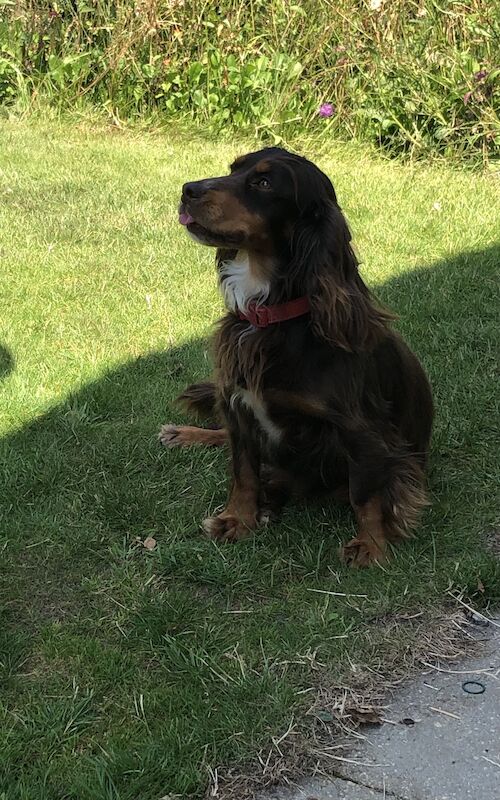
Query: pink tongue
185, 218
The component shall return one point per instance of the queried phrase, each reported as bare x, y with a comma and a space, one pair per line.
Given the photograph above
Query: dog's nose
194, 190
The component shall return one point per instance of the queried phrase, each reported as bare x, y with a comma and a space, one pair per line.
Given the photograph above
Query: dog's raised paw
172, 436
185, 435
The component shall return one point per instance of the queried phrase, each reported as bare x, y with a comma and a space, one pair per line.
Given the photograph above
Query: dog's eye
263, 183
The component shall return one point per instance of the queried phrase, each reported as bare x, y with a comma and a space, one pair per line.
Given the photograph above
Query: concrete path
444, 745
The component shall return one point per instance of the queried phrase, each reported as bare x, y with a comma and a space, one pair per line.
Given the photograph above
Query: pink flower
326, 110
467, 96
481, 75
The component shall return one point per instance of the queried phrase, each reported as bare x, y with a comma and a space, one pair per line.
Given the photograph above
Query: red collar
262, 316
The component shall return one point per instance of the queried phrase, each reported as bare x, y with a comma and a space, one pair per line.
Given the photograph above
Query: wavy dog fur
347, 403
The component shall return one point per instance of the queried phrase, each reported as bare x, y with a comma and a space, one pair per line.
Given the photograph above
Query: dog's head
280, 234
258, 205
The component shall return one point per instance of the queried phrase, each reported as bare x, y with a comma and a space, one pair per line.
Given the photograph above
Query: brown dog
313, 388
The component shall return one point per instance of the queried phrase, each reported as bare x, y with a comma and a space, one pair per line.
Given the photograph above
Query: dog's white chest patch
258, 408
239, 286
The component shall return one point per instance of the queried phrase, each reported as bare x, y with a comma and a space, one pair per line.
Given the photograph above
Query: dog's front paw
361, 552
228, 527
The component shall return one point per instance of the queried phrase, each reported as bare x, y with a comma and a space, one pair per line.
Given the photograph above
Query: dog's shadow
89, 475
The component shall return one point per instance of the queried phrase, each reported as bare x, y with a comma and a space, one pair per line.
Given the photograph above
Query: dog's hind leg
387, 493
370, 544
186, 435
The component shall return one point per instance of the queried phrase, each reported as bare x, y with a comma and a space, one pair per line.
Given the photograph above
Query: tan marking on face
223, 211
263, 166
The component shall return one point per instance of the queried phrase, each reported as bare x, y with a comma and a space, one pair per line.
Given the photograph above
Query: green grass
129, 674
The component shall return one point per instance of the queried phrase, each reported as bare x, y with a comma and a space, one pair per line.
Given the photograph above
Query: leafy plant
401, 74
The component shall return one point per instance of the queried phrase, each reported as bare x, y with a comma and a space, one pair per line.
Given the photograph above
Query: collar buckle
261, 315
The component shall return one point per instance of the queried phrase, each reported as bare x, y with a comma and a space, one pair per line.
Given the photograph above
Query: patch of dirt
492, 537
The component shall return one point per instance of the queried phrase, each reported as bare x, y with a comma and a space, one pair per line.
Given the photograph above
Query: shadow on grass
7, 362
90, 471
88, 479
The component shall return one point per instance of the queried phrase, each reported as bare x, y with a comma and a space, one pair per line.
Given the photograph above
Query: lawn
129, 673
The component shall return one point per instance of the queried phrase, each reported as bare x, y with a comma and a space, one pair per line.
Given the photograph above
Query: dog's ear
326, 268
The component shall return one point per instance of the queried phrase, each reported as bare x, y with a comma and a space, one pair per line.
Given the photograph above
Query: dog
313, 389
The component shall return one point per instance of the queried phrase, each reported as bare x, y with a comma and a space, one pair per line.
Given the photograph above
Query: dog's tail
199, 398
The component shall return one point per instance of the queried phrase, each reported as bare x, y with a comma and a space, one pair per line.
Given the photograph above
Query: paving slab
326, 790
444, 743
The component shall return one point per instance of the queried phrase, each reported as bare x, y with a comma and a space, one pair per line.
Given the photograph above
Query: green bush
412, 76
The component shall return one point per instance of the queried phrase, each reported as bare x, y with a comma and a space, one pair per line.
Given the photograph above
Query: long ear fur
342, 309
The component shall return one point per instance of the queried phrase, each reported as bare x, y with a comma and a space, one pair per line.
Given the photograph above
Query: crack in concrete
384, 791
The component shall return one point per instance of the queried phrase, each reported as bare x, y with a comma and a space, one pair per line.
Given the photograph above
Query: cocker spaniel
313, 390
